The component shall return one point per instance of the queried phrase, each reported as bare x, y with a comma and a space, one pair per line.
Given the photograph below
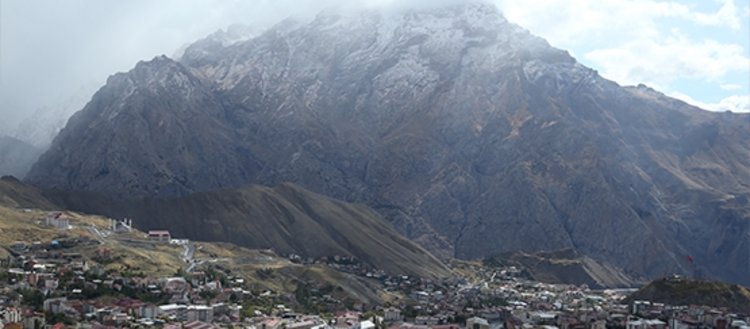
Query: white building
392, 314
173, 311
367, 324
12, 315
477, 323
646, 324
201, 313
148, 311
175, 285
57, 220
121, 226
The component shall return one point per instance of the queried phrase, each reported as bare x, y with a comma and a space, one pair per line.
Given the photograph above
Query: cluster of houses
178, 300
649, 315
126, 311
16, 318
501, 299
65, 290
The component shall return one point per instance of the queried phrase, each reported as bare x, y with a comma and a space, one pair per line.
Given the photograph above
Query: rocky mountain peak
154, 78
161, 72
159, 69
204, 52
469, 134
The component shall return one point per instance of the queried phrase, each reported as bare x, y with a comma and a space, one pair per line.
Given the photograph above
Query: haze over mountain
469, 134
17, 156
41, 127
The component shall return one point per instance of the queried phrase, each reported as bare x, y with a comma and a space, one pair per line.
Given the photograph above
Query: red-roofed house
159, 236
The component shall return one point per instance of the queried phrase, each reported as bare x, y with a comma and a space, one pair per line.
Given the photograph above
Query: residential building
392, 314
200, 313
477, 323
159, 236
57, 220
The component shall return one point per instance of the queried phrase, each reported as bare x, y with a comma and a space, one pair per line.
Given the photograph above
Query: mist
52, 50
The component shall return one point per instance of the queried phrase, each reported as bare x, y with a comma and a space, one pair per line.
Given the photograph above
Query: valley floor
64, 268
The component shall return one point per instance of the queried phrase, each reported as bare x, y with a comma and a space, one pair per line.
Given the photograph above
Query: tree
33, 298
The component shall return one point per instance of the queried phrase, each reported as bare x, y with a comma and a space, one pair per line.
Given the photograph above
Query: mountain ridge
286, 218
470, 135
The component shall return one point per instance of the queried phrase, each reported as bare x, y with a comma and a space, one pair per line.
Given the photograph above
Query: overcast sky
51, 50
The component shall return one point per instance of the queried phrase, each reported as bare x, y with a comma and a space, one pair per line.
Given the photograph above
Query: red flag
690, 259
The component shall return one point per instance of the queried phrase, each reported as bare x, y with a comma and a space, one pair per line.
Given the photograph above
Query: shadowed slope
287, 219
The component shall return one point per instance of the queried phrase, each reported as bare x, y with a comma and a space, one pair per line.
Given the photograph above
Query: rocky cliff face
472, 136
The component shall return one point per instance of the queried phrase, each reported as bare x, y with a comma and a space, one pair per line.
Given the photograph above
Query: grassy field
133, 253
264, 270
28, 226
129, 251
22, 219
685, 291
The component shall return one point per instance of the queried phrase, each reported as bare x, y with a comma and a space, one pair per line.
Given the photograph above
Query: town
67, 283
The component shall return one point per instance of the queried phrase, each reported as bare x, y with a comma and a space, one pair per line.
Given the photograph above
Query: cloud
734, 103
642, 41
730, 86
50, 48
672, 58
570, 22
728, 15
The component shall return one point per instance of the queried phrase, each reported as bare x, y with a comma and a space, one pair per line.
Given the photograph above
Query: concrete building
477, 323
121, 226
12, 315
57, 220
392, 314
646, 324
200, 313
367, 324
159, 236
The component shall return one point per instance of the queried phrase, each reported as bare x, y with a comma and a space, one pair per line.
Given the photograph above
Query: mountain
15, 194
683, 291
41, 126
287, 219
564, 267
16, 156
233, 34
470, 135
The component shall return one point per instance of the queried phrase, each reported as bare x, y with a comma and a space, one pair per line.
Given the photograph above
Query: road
101, 236
188, 254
